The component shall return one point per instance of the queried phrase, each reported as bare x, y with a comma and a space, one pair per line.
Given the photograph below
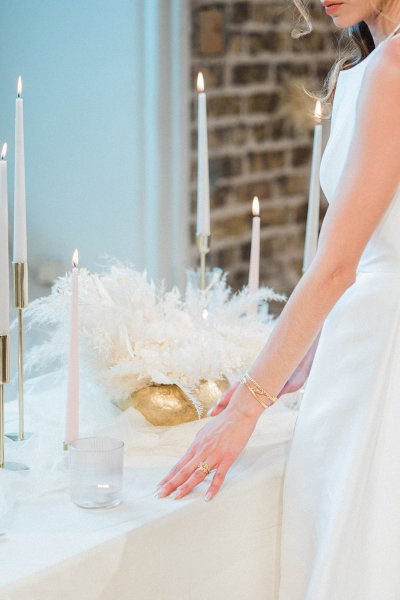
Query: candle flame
256, 207
4, 151
318, 111
75, 258
200, 82
19, 87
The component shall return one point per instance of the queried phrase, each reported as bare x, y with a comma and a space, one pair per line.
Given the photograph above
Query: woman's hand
218, 443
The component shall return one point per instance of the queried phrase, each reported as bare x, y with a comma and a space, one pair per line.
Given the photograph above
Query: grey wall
78, 61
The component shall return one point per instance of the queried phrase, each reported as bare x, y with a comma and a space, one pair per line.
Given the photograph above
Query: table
146, 548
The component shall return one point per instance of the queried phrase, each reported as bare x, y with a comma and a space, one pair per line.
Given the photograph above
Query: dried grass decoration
169, 355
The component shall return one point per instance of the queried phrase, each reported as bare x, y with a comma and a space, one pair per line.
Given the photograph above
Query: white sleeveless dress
341, 498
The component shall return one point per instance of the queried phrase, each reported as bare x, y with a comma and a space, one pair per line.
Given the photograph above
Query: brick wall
260, 129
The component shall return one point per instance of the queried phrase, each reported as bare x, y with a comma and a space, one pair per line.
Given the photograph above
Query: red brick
249, 73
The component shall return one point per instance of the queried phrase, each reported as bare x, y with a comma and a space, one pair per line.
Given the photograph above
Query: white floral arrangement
134, 334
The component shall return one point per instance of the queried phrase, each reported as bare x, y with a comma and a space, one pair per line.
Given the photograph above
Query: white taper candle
4, 267
254, 272
20, 244
311, 241
203, 182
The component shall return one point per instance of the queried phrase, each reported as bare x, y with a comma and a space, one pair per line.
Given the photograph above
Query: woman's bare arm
367, 186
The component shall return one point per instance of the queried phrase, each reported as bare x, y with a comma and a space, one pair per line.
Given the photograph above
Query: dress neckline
391, 34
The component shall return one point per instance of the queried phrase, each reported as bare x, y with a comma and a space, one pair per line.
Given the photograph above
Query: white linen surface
147, 548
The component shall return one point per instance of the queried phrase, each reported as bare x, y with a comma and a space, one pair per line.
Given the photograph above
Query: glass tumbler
96, 468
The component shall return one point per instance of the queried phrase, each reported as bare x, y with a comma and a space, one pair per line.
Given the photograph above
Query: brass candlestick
20, 302
203, 245
5, 378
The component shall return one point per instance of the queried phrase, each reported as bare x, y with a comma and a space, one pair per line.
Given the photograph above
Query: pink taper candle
72, 416
254, 273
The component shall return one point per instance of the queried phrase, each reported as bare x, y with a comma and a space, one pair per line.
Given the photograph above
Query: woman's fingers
178, 479
184, 483
218, 480
177, 467
196, 477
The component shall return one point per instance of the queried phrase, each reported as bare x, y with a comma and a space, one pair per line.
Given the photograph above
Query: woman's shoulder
379, 98
384, 67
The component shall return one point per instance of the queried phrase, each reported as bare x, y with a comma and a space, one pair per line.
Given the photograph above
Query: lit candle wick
254, 271
200, 82
256, 207
75, 258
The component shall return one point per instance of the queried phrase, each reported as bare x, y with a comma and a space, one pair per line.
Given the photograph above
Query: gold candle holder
20, 302
203, 245
5, 378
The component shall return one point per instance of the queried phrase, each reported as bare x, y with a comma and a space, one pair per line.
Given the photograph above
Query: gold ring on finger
203, 466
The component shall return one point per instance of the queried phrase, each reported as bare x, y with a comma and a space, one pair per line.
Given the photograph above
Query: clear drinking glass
96, 467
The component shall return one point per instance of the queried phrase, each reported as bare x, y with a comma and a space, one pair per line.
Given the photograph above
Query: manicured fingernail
160, 493
208, 497
210, 411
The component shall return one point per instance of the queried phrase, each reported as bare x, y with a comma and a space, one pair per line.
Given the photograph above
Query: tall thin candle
20, 244
310, 246
203, 183
254, 272
72, 414
4, 269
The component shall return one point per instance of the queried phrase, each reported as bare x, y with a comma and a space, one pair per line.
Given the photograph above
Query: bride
340, 330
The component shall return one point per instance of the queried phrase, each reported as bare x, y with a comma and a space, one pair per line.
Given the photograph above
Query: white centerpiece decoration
135, 335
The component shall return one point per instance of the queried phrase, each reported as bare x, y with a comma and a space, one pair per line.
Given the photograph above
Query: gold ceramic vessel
169, 405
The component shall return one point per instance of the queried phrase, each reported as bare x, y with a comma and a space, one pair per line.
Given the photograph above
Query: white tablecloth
146, 548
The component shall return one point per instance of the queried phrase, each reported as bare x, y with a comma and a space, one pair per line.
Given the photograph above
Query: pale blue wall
79, 61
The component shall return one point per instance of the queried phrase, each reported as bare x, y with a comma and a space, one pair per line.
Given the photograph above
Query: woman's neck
381, 27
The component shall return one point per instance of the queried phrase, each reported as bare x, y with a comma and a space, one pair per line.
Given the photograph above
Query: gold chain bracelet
257, 391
